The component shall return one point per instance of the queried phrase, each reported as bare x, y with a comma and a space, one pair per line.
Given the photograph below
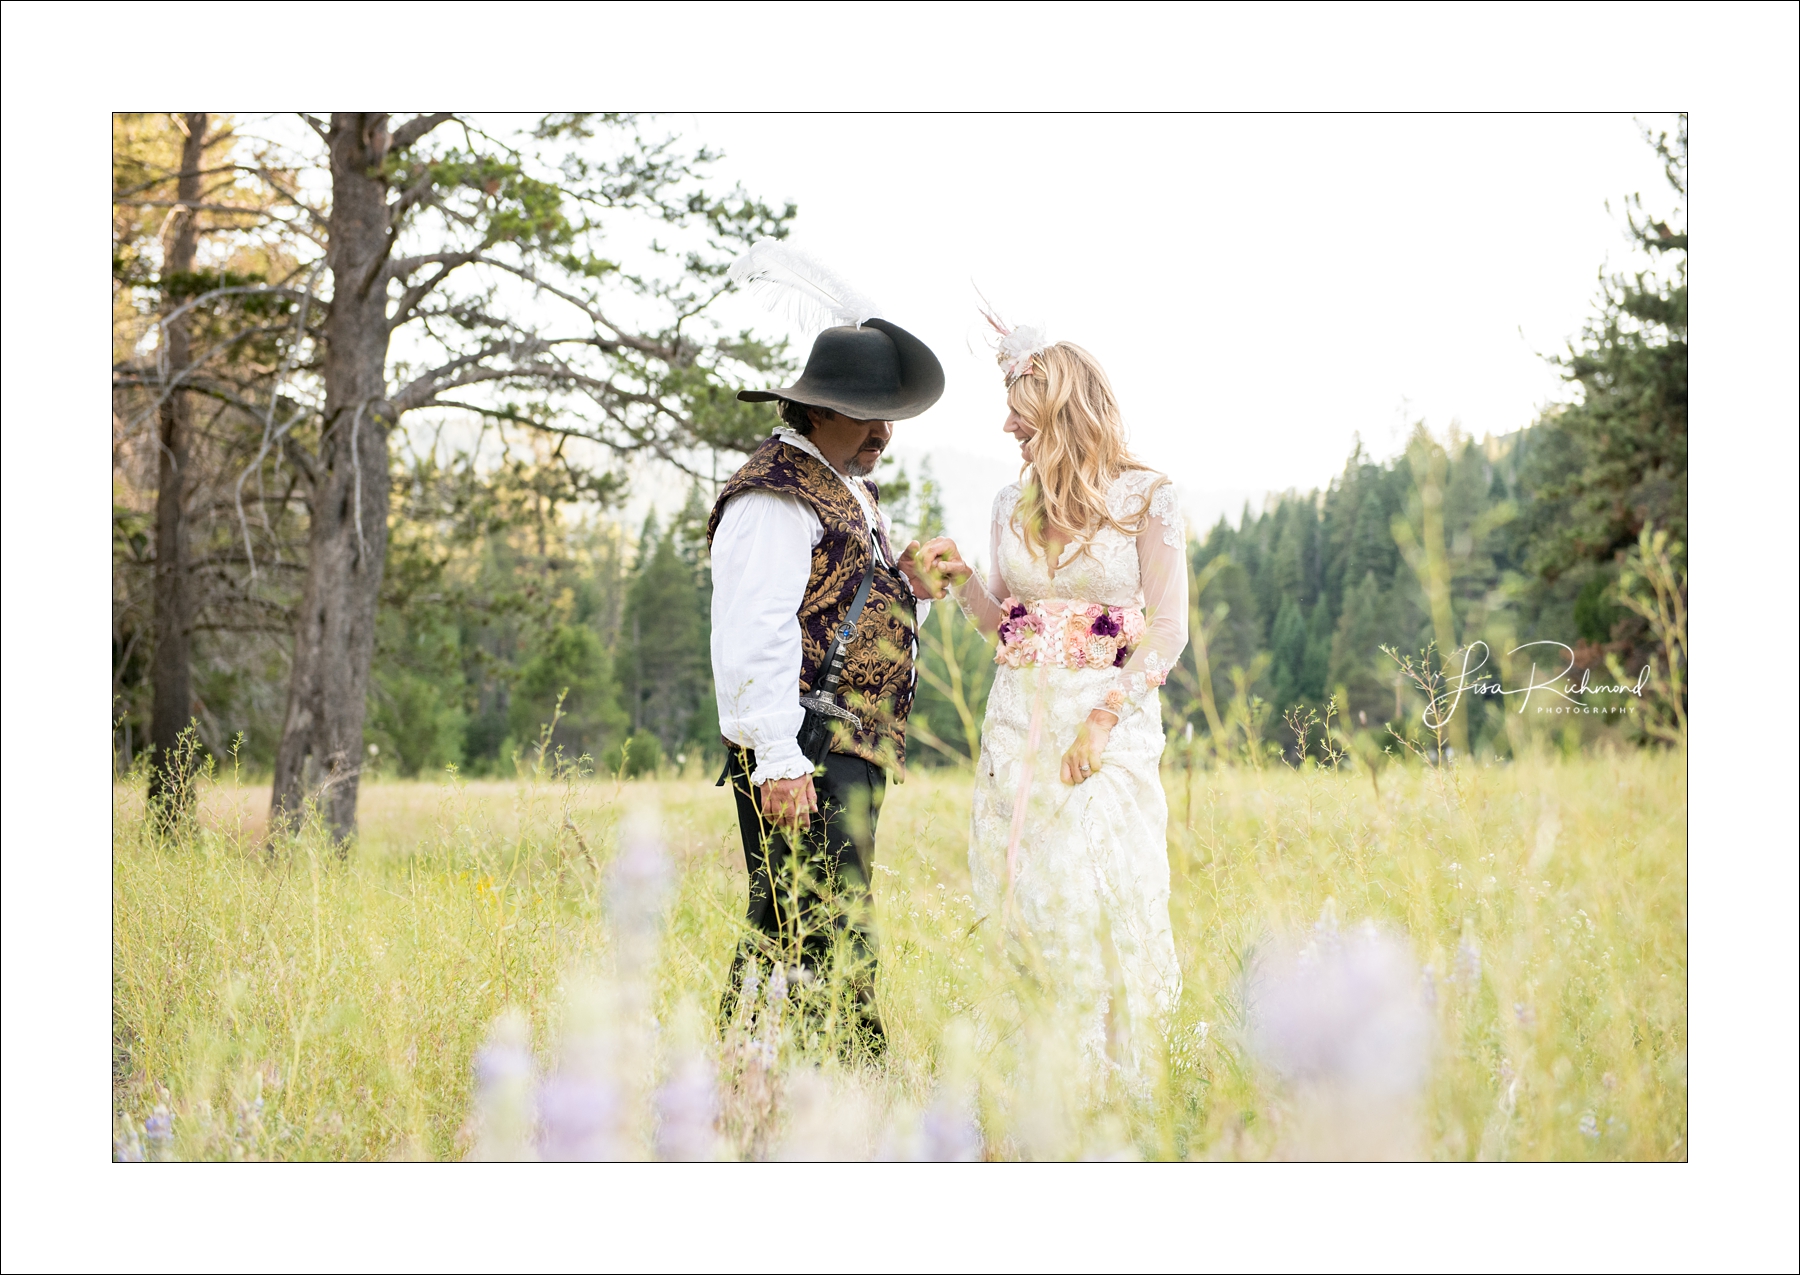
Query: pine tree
1288, 645
1240, 635
1316, 670
571, 662
1288, 576
665, 658
1371, 541
1617, 457
1355, 650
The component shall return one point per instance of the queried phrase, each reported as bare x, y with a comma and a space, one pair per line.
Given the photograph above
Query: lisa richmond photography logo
1562, 691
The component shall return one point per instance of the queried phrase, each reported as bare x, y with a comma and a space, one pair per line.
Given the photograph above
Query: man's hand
933, 567
789, 803
1082, 760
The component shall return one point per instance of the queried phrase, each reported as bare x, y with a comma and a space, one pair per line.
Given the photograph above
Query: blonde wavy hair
1078, 451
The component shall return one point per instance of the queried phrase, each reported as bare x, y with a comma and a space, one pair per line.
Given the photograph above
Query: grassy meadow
295, 1005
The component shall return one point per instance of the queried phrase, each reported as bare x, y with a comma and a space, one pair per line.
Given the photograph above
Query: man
793, 534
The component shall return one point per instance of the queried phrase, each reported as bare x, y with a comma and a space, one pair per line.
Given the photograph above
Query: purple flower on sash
1123, 655
1019, 624
1105, 625
1020, 629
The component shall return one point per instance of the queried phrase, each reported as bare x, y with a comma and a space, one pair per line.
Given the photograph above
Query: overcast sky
1259, 288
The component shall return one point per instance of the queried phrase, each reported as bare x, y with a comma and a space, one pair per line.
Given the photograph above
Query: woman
1087, 592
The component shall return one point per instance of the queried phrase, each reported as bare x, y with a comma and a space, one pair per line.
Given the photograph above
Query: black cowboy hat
876, 372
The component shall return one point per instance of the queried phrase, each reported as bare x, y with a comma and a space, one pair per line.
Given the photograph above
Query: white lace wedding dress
1077, 876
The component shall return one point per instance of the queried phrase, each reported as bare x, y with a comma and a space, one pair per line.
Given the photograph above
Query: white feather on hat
785, 277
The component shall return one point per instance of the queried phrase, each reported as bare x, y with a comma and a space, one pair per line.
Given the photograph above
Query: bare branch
638, 443
410, 299
270, 435
420, 190
297, 456
417, 127
289, 196
424, 390
192, 205
620, 338
168, 175
406, 266
260, 290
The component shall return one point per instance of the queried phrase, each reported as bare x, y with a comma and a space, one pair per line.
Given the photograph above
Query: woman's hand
1082, 760
934, 566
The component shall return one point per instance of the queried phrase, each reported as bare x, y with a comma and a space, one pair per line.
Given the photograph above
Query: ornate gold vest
877, 683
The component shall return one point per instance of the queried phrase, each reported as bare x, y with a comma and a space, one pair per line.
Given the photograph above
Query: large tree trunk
321, 751
172, 589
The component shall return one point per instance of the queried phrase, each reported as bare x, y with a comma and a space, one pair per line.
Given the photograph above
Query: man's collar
794, 438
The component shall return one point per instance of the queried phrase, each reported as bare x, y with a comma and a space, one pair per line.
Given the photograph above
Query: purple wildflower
1343, 1010
637, 888
249, 1116
126, 1147
948, 1133
1468, 963
500, 1062
687, 1109
160, 1128
579, 1118
504, 1079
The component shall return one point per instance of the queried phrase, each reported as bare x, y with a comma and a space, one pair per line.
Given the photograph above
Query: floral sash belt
1061, 634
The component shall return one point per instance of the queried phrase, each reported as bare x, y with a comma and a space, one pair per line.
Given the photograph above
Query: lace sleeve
980, 599
1163, 573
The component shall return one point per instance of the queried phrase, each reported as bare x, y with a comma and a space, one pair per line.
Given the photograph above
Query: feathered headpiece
810, 291
1017, 347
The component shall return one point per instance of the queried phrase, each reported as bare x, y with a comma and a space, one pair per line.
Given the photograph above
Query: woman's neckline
1064, 553
1067, 550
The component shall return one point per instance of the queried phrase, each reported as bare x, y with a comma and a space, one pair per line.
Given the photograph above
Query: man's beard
856, 469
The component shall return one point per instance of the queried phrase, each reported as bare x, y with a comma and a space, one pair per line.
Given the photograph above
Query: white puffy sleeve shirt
761, 561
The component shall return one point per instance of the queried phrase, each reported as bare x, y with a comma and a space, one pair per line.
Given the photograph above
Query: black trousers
809, 902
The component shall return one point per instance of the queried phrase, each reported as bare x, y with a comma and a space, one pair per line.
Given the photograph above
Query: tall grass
296, 1005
